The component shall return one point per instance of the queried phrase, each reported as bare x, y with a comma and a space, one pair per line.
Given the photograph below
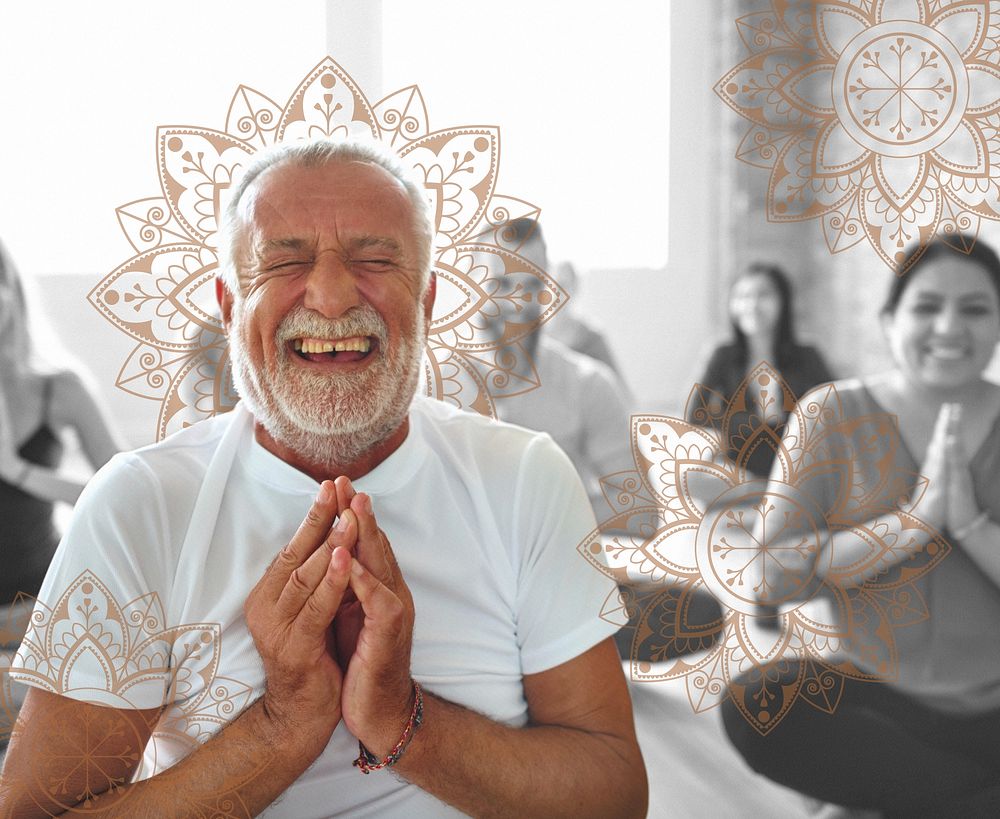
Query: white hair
312, 154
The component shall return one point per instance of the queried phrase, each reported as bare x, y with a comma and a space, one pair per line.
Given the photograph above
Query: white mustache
358, 321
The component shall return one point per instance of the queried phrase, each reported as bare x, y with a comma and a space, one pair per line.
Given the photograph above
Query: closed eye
375, 264
285, 265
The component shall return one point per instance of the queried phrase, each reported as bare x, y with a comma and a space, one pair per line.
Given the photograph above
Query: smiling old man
386, 571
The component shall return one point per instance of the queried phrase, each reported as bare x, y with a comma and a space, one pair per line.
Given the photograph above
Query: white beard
330, 419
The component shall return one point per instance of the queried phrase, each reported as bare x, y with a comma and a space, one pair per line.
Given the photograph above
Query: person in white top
580, 401
380, 571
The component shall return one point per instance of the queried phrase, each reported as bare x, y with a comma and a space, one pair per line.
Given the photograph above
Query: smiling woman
918, 614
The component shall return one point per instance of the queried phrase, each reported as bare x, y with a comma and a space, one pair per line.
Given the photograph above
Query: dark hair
784, 342
978, 253
524, 229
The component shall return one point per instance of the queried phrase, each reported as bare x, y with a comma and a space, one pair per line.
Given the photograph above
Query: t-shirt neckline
389, 475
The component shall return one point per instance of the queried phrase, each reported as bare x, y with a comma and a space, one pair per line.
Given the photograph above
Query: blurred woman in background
915, 730
38, 401
760, 315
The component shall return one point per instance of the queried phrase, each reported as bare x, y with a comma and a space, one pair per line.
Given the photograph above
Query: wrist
386, 756
280, 728
971, 527
15, 472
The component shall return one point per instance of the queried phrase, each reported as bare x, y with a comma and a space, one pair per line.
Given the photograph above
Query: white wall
657, 319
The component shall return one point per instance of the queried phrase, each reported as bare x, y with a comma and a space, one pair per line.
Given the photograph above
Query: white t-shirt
484, 519
584, 406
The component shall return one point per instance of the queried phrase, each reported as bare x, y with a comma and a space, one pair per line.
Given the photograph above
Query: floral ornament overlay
879, 117
88, 635
691, 519
164, 298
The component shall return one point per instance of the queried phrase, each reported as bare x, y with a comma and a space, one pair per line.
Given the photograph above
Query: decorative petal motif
161, 297
327, 104
689, 519
964, 24
761, 147
88, 634
755, 89
842, 228
837, 25
458, 168
965, 152
197, 166
984, 89
837, 153
253, 118
149, 223
489, 298
879, 117
762, 31
402, 116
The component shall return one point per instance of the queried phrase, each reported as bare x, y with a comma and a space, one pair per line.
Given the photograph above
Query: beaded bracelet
368, 762
976, 523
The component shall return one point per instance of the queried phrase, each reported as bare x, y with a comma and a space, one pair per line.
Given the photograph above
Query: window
580, 93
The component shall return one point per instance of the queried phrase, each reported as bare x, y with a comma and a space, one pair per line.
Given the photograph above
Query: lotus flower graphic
691, 519
88, 635
879, 117
163, 297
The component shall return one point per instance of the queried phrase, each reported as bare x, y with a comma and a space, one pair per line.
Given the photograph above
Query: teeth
309, 345
950, 353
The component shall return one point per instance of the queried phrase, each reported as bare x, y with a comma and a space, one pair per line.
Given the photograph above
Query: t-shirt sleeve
560, 594
97, 632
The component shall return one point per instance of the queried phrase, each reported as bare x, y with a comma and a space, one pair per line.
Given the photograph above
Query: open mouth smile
333, 350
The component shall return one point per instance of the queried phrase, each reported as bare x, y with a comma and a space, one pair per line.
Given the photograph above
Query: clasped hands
332, 619
949, 501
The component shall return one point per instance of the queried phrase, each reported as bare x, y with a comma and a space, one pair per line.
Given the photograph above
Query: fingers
345, 491
373, 547
935, 449
308, 537
304, 580
320, 606
384, 611
954, 448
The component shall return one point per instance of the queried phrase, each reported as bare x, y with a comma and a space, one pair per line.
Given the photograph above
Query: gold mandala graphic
90, 647
880, 118
691, 519
164, 296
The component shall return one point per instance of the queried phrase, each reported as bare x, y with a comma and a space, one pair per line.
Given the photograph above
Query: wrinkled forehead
351, 196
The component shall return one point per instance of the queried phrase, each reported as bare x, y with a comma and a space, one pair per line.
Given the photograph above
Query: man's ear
225, 300
429, 295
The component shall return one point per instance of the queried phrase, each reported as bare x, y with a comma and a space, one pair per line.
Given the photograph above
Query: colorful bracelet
368, 762
976, 523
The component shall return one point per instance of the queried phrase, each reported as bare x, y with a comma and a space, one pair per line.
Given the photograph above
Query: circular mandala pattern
690, 522
900, 88
164, 297
757, 546
880, 119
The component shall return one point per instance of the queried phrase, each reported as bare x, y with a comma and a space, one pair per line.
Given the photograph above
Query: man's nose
331, 288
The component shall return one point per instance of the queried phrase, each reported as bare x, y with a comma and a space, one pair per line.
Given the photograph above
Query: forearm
484, 768
849, 559
983, 546
244, 767
44, 483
